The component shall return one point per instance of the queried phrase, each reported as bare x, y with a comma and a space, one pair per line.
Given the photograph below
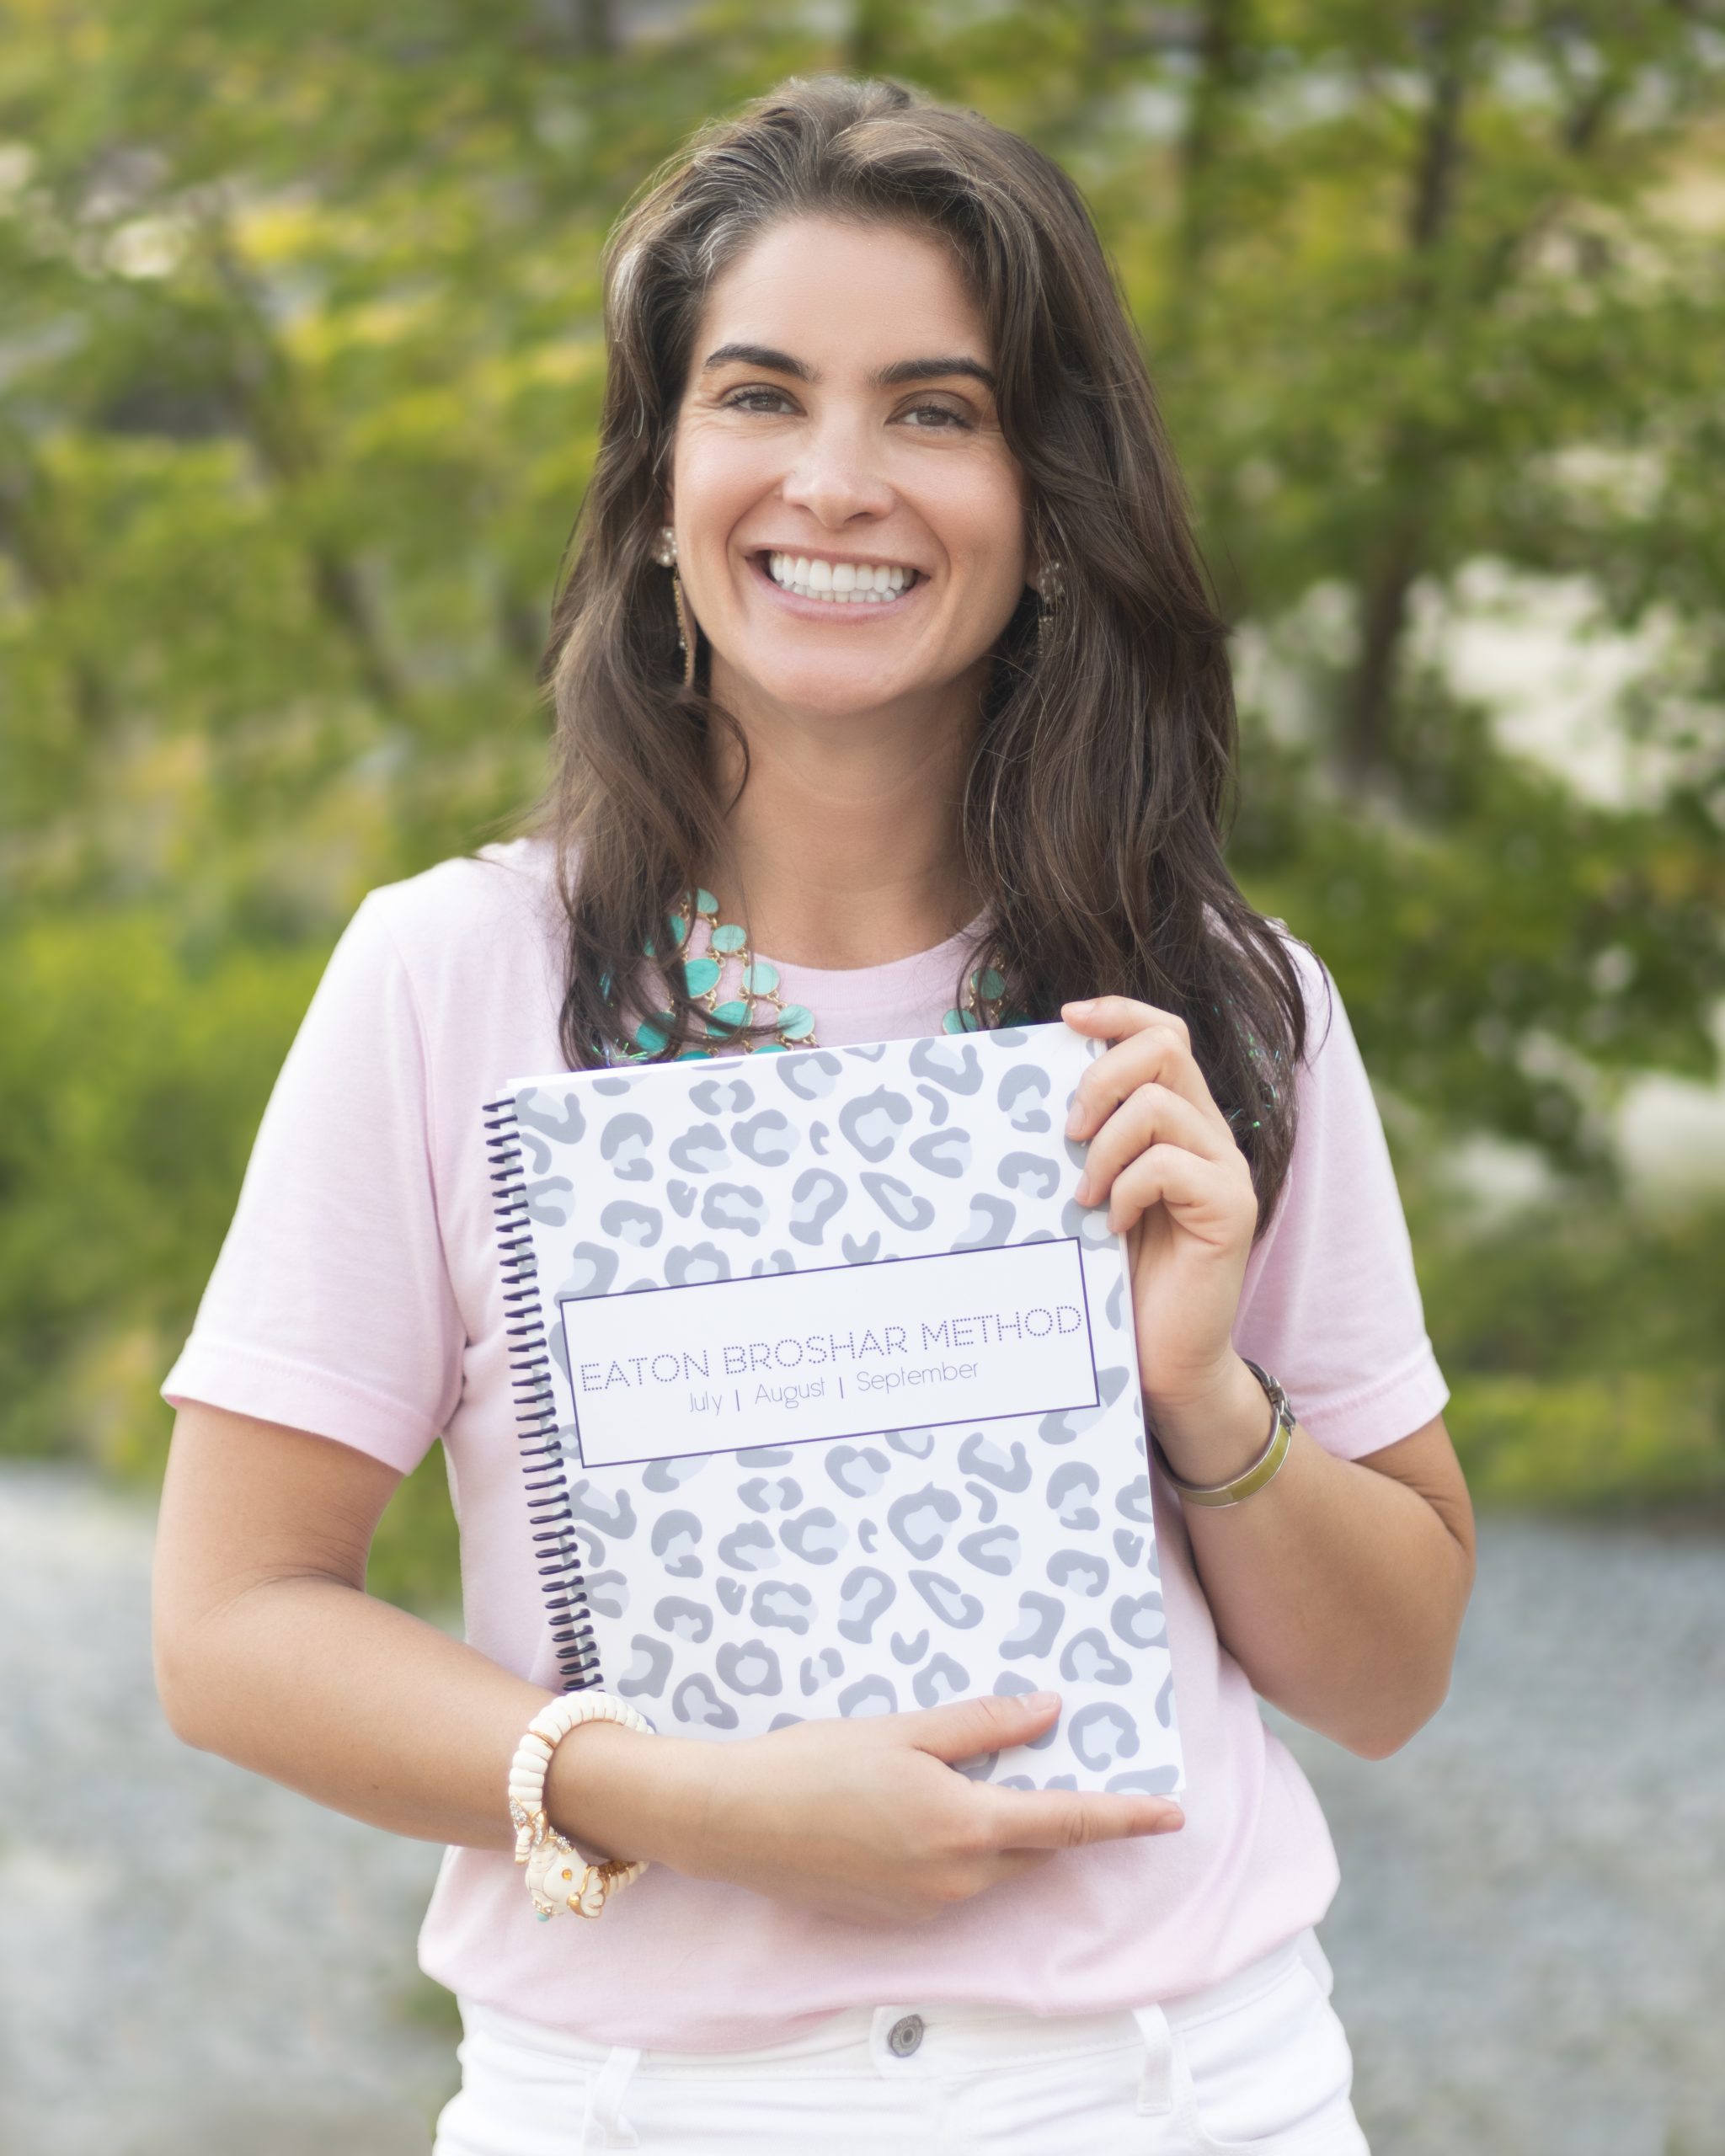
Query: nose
837, 475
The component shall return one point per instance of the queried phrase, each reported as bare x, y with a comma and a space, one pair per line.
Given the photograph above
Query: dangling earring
1048, 597
665, 554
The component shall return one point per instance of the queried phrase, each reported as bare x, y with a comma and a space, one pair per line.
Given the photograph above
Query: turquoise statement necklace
724, 978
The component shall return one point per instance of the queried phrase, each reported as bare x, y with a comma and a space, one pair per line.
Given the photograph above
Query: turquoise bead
795, 1020
699, 975
695, 1055
653, 1032
760, 978
729, 938
735, 1013
679, 927
772, 1047
705, 902
990, 985
960, 1021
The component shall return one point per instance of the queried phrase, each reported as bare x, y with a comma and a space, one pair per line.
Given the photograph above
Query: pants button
903, 2036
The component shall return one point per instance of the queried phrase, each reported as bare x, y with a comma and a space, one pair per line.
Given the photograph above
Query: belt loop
1156, 2087
605, 2126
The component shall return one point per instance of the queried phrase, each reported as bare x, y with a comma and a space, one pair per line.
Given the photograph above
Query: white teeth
841, 584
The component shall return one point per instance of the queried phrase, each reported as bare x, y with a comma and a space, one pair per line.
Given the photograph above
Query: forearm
1339, 1589
375, 1713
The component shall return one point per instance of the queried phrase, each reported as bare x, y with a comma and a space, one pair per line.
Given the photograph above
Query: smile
839, 584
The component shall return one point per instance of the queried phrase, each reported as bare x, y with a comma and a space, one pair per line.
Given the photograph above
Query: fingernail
1085, 1004
1040, 1702
1082, 1192
1075, 1121
1168, 1826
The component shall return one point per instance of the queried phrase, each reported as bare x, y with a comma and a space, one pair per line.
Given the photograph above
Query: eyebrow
893, 377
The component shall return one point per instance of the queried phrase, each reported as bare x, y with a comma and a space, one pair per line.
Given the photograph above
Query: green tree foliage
299, 368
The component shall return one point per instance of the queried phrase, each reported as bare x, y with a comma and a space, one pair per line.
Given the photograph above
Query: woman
886, 628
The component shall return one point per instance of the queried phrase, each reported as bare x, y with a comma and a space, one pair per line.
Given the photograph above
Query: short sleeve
330, 1308
1330, 1305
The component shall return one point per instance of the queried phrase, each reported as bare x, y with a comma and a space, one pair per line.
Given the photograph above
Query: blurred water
1529, 1943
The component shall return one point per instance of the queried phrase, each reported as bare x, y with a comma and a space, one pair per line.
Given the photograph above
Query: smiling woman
884, 647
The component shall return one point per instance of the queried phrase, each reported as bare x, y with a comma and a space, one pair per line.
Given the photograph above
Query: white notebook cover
829, 1395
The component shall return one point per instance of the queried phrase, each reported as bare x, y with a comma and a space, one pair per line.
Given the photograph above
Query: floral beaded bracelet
559, 1878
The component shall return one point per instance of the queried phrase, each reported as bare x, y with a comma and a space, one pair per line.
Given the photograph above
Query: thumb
965, 1729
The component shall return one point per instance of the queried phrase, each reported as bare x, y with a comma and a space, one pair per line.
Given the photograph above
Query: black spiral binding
557, 1550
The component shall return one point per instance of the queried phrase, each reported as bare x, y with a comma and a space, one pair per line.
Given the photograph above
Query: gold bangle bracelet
1261, 1469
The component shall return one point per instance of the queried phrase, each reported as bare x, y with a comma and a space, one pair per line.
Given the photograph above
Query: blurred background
300, 363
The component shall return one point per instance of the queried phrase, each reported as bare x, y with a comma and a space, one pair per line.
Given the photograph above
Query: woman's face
850, 523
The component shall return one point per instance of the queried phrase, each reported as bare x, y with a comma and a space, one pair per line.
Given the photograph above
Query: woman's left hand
1164, 1161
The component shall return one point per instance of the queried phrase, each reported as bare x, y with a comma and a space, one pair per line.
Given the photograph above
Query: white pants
1257, 2063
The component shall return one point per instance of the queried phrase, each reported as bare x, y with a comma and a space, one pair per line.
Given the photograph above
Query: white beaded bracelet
553, 1863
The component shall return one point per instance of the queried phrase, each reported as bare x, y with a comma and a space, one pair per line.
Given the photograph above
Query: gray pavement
1530, 1940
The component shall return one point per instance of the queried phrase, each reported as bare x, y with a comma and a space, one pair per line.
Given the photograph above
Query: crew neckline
884, 982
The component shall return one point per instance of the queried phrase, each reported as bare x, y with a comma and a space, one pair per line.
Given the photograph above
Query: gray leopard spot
1015, 1781
820, 1669
537, 1156
1039, 1624
648, 1670
1111, 1307
861, 1253
731, 1594
1088, 1223
588, 1551
900, 1204
868, 1051
682, 1196
818, 1136
735, 1205
977, 1770
700, 1150
868, 1535
698, 1262
751, 1669
815, 1536
869, 1695
992, 1550
864, 1598
722, 1095
939, 1107
918, 1443
616, 1515
1068, 1486
623, 1142
613, 1087
858, 1474
639, 1225
1102, 1733
749, 1548
1029, 1171
1153, 1781
550, 1200
1127, 1546
761, 1496
1165, 1702
980, 1455
687, 1620
1005, 1037
666, 1476
608, 1592
920, 1518
809, 1077
1088, 1659
911, 1650
991, 1223
1135, 1500
785, 1721
1111, 1383
776, 1261
1138, 1619
948, 1063
1062, 1781
565, 1122
987, 1504
592, 1268
943, 1679
675, 1535
1080, 1571
816, 1196
942, 1152
766, 1456
1020, 1093
769, 1137
695, 1700
782, 1603
1013, 1684
947, 1600
872, 1122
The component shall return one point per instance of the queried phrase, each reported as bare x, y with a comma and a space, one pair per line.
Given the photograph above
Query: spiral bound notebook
828, 1396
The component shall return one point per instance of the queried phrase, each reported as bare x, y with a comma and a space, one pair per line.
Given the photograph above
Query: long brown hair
1095, 802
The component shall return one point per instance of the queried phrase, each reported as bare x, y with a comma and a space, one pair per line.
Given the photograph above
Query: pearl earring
665, 552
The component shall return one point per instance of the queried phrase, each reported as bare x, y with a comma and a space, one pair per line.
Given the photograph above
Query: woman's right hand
866, 1820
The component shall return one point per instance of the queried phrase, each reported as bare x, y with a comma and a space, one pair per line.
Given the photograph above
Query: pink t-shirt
358, 1296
